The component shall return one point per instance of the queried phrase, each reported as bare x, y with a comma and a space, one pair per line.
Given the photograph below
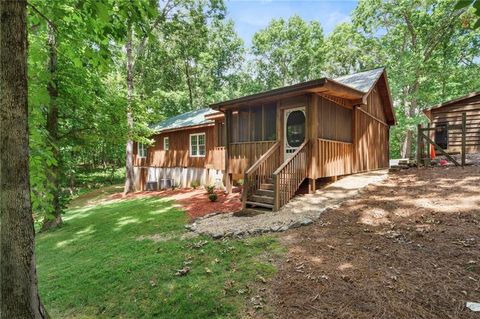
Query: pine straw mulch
194, 201
406, 248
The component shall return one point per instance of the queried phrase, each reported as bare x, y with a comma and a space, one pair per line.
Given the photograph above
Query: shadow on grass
96, 266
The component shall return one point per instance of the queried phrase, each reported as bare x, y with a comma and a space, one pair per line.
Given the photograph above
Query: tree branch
42, 15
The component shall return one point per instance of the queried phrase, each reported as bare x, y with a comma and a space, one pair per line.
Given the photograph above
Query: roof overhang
215, 116
191, 127
428, 112
325, 86
387, 98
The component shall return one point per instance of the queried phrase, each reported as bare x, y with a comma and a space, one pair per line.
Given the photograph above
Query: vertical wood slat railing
218, 157
288, 177
333, 158
260, 171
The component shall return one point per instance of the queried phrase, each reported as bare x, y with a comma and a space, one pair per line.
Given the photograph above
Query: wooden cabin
273, 141
186, 148
444, 117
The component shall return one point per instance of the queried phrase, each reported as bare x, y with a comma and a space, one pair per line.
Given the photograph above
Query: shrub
194, 184
210, 188
240, 182
213, 197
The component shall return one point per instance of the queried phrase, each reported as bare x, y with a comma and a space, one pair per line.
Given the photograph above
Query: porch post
228, 176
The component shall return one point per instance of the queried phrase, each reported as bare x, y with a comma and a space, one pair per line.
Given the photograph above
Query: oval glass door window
295, 128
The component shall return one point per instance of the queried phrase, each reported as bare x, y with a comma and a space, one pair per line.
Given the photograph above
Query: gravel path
302, 210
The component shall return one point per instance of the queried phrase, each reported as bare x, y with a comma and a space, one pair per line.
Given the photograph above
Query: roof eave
182, 128
323, 85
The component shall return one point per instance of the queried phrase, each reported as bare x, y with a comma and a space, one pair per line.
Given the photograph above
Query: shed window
166, 144
141, 150
197, 145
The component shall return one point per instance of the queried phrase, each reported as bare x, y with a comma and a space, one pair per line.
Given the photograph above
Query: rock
473, 306
306, 221
283, 228
238, 233
218, 234
275, 228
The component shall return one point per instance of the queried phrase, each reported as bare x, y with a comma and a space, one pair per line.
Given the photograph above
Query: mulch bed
407, 248
194, 201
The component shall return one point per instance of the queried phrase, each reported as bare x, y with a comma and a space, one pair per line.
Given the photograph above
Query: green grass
95, 266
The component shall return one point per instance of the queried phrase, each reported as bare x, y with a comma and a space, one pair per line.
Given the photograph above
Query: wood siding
178, 154
334, 121
452, 115
332, 158
371, 147
242, 155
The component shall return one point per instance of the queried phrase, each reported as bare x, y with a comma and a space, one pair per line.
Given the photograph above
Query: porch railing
261, 171
288, 177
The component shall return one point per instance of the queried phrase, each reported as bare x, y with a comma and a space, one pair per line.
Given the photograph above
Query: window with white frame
141, 150
166, 144
197, 145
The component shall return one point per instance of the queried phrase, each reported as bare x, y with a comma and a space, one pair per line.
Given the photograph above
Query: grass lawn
104, 263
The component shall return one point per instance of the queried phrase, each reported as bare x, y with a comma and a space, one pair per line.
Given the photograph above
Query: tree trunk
18, 280
189, 83
129, 147
407, 144
53, 172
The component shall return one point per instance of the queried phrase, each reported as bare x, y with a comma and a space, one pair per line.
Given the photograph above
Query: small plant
240, 182
213, 197
210, 188
194, 184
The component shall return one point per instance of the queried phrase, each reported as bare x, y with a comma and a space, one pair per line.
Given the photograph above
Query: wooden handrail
262, 158
334, 141
288, 177
279, 169
260, 171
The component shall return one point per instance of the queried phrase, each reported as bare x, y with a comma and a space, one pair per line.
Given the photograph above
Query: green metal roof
192, 118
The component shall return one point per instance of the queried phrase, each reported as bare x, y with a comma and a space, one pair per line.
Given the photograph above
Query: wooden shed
449, 114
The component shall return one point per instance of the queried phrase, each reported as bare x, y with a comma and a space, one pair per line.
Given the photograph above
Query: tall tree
418, 38
164, 19
288, 51
18, 281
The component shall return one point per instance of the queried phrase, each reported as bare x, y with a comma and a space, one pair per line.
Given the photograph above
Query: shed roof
361, 81
192, 118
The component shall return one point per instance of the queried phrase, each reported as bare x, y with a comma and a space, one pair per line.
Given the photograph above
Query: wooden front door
294, 128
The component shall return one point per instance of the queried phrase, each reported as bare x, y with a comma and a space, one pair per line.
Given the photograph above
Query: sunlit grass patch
95, 266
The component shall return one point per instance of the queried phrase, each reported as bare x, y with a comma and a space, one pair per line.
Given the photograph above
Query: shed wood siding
371, 143
374, 105
334, 121
452, 115
178, 154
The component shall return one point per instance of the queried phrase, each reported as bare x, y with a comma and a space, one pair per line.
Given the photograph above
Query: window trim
198, 144
167, 147
145, 149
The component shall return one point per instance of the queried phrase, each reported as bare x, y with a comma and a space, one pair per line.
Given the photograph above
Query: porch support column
228, 175
312, 187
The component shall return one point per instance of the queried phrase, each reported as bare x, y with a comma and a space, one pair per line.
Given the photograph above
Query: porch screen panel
334, 121
270, 122
256, 122
243, 126
234, 127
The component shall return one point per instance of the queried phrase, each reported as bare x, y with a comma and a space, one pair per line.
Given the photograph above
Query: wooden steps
263, 197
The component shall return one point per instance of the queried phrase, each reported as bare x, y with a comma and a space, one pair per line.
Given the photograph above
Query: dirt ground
406, 248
